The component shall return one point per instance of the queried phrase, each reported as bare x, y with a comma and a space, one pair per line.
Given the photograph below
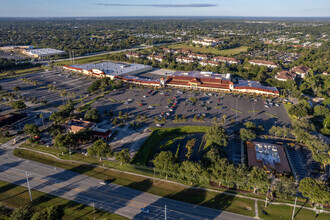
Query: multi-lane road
110, 197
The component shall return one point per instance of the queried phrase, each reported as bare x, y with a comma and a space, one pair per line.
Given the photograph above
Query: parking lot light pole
165, 213
28, 184
70, 155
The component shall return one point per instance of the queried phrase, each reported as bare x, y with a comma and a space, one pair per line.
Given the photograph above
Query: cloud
201, 5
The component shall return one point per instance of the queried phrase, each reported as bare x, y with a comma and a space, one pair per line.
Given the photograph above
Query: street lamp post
294, 208
28, 184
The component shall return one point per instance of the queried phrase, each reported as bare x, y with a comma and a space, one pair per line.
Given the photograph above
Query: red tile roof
286, 75
263, 62
300, 69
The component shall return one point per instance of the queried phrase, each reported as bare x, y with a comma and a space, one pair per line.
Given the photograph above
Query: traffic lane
111, 200
71, 185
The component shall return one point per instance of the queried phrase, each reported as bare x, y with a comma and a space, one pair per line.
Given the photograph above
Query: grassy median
14, 196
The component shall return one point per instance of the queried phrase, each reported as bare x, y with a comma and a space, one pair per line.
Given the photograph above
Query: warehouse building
108, 69
44, 52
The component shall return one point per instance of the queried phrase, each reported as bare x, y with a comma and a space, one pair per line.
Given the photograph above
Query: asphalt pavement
110, 197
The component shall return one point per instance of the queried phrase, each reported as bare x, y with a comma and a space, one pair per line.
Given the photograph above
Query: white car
103, 183
266, 106
158, 125
277, 105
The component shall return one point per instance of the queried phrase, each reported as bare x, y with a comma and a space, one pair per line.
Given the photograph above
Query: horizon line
178, 16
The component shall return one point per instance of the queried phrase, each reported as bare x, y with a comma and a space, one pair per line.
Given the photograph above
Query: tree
192, 171
22, 213
190, 146
123, 156
99, 149
301, 109
217, 134
165, 163
250, 125
18, 105
92, 114
94, 86
53, 212
285, 187
246, 134
314, 190
32, 130
258, 179
16, 88
65, 142
241, 177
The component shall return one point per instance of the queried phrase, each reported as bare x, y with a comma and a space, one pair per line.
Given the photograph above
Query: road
110, 197
104, 53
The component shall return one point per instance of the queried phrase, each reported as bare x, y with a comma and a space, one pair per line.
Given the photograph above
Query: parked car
145, 210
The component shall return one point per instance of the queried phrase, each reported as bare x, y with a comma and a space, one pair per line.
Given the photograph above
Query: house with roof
182, 59
76, 125
100, 133
228, 60
134, 55
301, 70
156, 57
209, 62
183, 51
168, 50
269, 64
285, 75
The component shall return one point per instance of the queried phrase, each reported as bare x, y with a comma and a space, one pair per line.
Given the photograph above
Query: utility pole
28, 183
294, 208
165, 213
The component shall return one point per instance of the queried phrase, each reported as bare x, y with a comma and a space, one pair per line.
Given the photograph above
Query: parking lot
12, 56
74, 86
156, 103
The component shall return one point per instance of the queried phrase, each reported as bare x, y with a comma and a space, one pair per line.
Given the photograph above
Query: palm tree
224, 119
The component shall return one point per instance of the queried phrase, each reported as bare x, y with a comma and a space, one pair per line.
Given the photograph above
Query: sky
86, 8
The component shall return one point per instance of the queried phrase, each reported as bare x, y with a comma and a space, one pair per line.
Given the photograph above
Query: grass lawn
82, 60
165, 189
213, 51
14, 196
5, 139
285, 212
157, 135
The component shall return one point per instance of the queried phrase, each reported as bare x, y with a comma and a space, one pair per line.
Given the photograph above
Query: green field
285, 212
213, 51
157, 135
82, 60
14, 196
